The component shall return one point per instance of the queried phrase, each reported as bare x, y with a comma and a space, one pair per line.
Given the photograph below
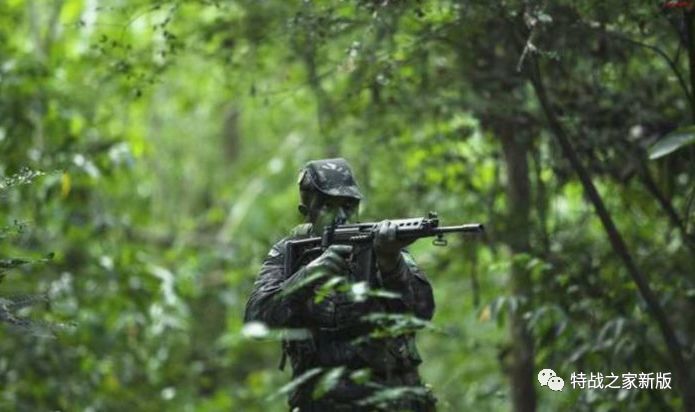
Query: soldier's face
326, 209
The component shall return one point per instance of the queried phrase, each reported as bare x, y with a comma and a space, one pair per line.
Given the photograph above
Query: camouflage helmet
332, 177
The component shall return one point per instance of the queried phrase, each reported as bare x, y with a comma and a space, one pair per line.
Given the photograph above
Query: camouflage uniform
336, 326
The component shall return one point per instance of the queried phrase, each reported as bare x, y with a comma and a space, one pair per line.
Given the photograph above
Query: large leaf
672, 142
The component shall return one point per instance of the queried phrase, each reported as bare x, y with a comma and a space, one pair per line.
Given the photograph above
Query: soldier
328, 192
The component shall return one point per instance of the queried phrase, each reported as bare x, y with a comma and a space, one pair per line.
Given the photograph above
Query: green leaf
12, 263
328, 381
328, 288
294, 287
672, 142
361, 376
296, 382
385, 397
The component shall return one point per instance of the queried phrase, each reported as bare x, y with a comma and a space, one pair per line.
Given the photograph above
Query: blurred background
149, 152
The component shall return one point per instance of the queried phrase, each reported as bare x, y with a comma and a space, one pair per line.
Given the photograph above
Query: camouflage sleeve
266, 304
413, 287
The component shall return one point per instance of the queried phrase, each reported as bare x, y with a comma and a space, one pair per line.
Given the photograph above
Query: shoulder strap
283, 359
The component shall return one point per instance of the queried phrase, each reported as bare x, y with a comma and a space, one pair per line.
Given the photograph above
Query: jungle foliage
149, 151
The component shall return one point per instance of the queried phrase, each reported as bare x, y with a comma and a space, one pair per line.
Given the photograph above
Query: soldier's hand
333, 261
387, 247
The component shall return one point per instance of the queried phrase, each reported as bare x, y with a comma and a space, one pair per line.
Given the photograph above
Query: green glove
332, 262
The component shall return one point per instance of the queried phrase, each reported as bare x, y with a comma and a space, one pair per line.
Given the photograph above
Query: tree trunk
521, 372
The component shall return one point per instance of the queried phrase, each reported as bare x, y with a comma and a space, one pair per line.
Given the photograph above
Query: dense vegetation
149, 152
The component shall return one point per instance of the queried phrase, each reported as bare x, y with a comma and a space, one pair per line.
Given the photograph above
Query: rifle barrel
467, 228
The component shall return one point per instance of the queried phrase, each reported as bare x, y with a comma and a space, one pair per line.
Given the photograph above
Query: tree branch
648, 182
679, 364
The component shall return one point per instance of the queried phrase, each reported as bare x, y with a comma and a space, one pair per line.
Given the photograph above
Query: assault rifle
361, 236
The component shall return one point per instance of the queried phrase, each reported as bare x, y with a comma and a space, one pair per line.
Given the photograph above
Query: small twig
532, 23
528, 48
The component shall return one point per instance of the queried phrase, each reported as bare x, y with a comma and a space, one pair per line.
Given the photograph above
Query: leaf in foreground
672, 141
296, 382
